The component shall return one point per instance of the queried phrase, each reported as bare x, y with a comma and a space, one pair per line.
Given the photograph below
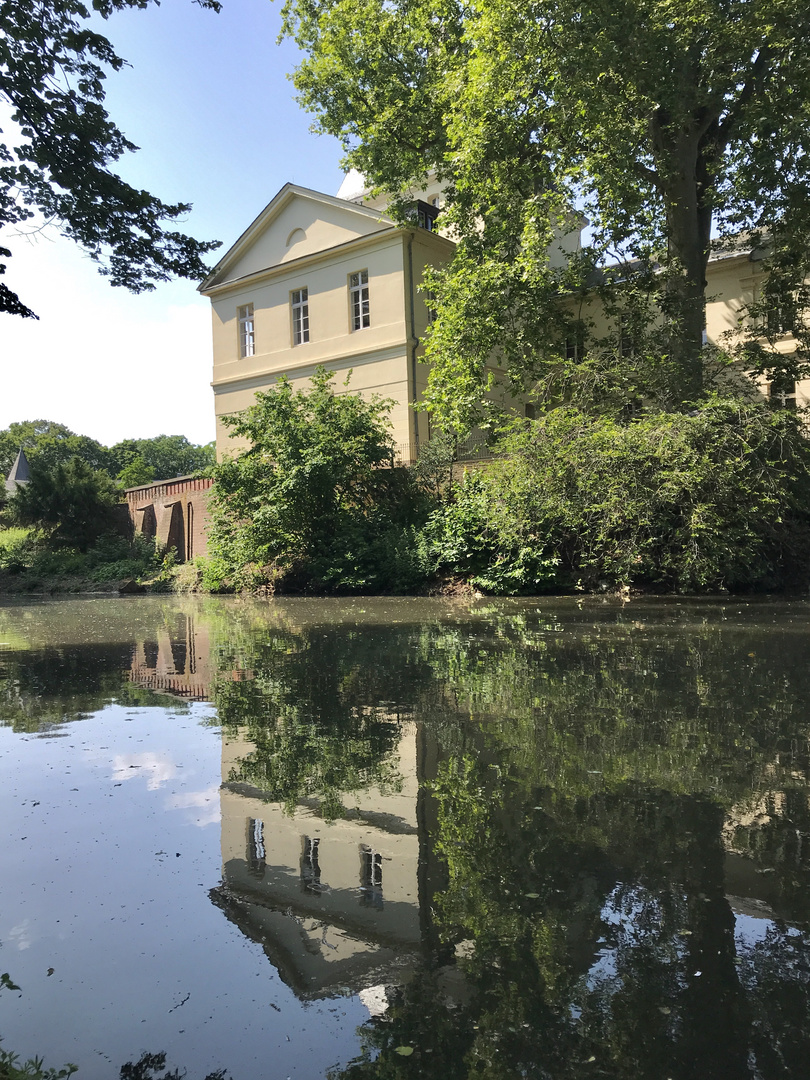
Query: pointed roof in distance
20, 473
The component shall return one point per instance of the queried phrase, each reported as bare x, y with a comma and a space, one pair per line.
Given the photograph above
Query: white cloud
20, 935
157, 769
207, 801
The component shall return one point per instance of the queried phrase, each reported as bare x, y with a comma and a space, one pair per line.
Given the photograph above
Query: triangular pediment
297, 222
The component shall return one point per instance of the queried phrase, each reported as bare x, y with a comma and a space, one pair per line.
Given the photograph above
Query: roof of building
281, 199
353, 186
20, 472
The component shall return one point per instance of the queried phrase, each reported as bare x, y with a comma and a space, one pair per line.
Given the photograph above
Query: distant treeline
130, 462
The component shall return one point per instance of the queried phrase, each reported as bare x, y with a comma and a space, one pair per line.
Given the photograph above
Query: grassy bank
29, 565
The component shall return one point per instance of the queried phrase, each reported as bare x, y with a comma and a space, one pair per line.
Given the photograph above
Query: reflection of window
310, 867
247, 339
299, 299
255, 856
782, 391
371, 889
358, 298
179, 652
150, 654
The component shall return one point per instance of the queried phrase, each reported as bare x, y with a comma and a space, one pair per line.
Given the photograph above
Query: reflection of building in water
176, 661
335, 905
767, 843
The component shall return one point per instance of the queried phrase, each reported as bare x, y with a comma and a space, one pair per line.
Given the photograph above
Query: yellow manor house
318, 279
332, 280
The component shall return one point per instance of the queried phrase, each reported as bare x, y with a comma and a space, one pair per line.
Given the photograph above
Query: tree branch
750, 87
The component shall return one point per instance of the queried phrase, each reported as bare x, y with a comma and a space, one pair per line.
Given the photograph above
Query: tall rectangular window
430, 304
782, 391
299, 299
247, 337
575, 347
358, 298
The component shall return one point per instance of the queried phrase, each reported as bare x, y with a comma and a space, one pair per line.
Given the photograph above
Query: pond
406, 838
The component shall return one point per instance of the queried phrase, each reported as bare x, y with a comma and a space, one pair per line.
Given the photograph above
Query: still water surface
406, 838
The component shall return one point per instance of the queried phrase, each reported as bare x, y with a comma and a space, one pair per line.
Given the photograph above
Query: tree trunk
684, 184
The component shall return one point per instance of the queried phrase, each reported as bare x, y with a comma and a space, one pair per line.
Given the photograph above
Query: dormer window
247, 338
425, 214
299, 303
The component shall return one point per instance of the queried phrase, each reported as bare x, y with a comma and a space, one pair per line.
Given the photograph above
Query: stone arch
145, 520
170, 530
296, 236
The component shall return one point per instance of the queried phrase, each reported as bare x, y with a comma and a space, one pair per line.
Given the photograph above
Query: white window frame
574, 348
430, 305
782, 393
247, 330
299, 312
359, 303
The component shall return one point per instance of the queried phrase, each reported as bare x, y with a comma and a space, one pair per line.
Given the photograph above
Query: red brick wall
192, 495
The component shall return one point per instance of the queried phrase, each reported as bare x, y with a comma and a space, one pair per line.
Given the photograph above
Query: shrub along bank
716, 499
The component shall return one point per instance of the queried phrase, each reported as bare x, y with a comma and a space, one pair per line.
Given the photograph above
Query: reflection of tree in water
322, 707
44, 687
585, 925
153, 1067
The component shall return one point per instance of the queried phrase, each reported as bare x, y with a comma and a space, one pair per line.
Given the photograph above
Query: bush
719, 498
71, 503
16, 548
314, 503
111, 558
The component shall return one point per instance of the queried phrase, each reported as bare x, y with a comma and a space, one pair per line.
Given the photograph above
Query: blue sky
208, 101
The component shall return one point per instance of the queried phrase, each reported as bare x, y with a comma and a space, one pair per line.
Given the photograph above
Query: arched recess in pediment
295, 237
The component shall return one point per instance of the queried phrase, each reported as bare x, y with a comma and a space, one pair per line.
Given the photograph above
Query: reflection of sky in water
106, 882
749, 930
158, 769
632, 915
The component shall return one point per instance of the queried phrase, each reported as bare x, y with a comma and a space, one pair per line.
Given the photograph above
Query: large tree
660, 120
49, 444
53, 63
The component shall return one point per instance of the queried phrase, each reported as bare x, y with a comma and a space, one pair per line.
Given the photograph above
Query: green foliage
51, 443
716, 499
132, 461
139, 461
314, 502
52, 75
136, 473
12, 1068
17, 546
32, 560
71, 503
657, 124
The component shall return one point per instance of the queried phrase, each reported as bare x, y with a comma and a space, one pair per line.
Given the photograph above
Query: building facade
318, 279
